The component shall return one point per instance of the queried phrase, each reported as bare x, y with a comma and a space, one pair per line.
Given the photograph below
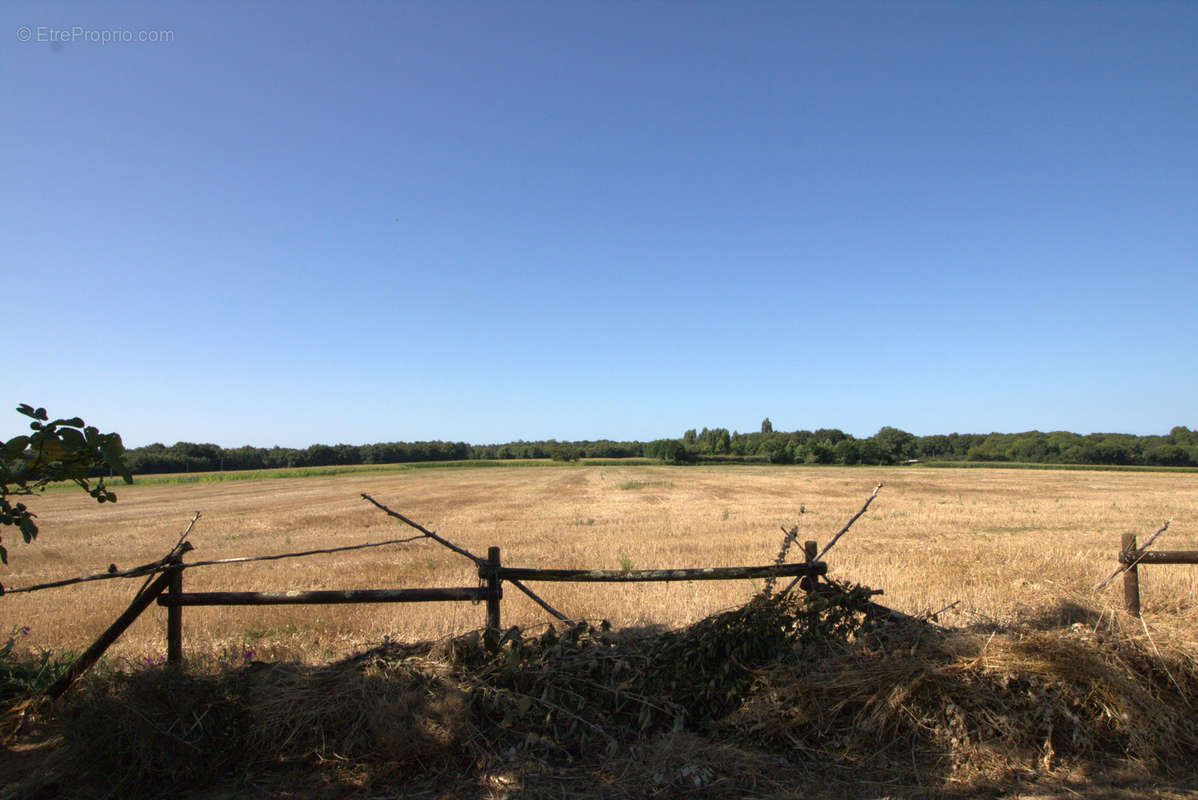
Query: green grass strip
1038, 465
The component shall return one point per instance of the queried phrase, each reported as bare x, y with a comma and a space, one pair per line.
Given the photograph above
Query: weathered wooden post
1131, 576
809, 582
174, 614
494, 594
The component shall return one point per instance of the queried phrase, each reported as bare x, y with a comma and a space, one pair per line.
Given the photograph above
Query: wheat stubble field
1009, 545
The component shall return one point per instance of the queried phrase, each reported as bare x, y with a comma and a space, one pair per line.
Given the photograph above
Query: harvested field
1010, 545
1032, 685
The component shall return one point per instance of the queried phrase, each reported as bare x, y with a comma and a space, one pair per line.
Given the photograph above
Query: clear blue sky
357, 222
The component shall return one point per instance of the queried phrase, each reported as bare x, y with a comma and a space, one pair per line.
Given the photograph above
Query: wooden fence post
1131, 576
494, 593
809, 582
174, 615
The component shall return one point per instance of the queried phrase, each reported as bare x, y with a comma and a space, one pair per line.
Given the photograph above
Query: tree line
192, 457
822, 446
890, 445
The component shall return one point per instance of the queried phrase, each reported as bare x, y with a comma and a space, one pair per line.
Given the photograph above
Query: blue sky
357, 222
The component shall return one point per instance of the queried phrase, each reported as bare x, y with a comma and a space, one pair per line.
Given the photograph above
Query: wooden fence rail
172, 599
1133, 557
646, 575
491, 574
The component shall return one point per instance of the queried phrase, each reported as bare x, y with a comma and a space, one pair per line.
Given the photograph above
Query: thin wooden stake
1131, 577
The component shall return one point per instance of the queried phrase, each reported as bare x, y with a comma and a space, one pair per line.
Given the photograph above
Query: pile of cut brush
787, 696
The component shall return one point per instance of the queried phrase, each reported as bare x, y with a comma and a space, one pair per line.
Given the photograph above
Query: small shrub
25, 676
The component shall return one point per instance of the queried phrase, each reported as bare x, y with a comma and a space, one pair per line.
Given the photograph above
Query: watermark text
49, 34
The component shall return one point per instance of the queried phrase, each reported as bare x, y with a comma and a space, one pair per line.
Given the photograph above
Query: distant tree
937, 446
778, 450
1113, 451
832, 435
1181, 435
1031, 446
564, 452
868, 452
62, 450
895, 445
959, 443
767, 426
675, 452
1168, 455
846, 452
820, 452
802, 437
319, 455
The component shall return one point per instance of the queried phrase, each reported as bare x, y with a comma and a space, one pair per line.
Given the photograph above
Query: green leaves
62, 450
28, 529
71, 440
30, 411
15, 446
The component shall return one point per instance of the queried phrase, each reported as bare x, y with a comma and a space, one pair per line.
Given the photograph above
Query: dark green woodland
1178, 448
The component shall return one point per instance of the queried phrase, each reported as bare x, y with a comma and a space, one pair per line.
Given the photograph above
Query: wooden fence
164, 584
1133, 558
491, 573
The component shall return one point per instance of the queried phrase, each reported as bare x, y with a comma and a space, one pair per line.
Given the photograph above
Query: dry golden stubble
1010, 545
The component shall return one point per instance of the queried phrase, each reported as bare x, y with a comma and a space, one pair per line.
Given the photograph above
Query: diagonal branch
849, 524
538, 600
190, 525
132, 572
89, 656
247, 559
175, 554
1140, 551
835, 538
426, 532
148, 570
183, 547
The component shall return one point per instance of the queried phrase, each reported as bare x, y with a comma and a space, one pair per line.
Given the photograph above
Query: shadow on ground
763, 702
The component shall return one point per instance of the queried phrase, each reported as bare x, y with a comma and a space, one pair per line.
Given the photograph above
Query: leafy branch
58, 450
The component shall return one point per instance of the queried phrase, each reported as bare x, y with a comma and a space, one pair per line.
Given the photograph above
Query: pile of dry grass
779, 698
962, 705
